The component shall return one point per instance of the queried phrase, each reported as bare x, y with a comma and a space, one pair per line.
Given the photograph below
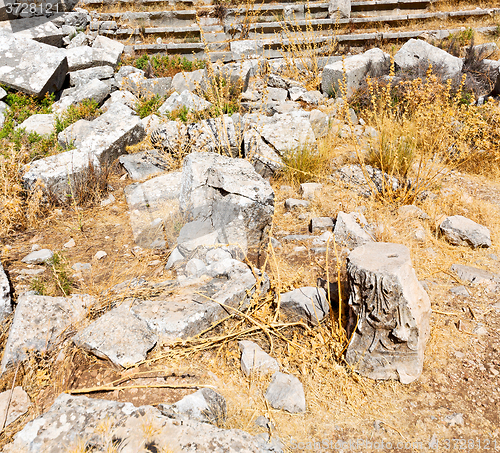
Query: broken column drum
389, 313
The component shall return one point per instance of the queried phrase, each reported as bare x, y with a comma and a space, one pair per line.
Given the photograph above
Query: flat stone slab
474, 275
389, 313
142, 165
199, 303
118, 336
31, 67
38, 257
42, 124
77, 419
5, 300
38, 322
286, 392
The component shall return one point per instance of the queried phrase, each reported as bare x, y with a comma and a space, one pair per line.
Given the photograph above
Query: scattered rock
389, 313
456, 419
187, 81
118, 336
460, 291
13, 405
411, 210
460, 230
70, 244
38, 257
186, 99
309, 189
286, 392
255, 360
476, 276
81, 267
42, 124
307, 303
100, 255
320, 224
73, 419
38, 322
205, 405
339, 9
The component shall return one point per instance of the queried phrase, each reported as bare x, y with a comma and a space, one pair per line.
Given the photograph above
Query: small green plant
148, 106
61, 274
38, 285
87, 110
182, 114
164, 65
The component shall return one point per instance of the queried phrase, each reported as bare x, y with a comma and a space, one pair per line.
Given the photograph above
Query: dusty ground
461, 371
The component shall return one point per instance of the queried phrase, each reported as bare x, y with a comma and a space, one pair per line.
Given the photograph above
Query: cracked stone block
118, 336
352, 230
389, 313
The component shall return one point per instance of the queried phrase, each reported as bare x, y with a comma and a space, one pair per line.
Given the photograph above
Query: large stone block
356, 69
36, 28
339, 9
416, 51
237, 202
31, 67
38, 323
389, 313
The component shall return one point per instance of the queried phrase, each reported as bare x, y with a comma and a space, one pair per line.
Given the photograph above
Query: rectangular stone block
31, 67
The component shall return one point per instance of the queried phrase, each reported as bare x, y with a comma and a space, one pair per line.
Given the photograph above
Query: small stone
303, 216
71, 243
35, 247
81, 267
217, 254
292, 203
309, 189
420, 235
411, 210
319, 224
262, 422
100, 255
17, 405
107, 201
38, 257
286, 392
460, 230
456, 419
480, 329
255, 360
351, 230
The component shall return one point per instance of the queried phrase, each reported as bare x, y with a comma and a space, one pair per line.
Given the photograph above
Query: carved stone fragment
389, 313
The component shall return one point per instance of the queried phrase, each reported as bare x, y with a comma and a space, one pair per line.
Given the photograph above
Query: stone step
276, 47
261, 30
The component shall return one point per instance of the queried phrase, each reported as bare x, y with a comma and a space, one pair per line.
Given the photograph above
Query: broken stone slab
41, 124
355, 69
142, 165
38, 257
460, 230
286, 392
285, 133
476, 276
307, 303
38, 29
84, 76
121, 97
186, 100
13, 405
217, 135
206, 405
95, 90
255, 360
249, 48
189, 81
73, 420
198, 303
85, 57
320, 123
5, 299
112, 48
39, 321
152, 205
229, 194
293, 203
265, 161
31, 67
416, 51
389, 313
107, 136
368, 179
118, 336
309, 189
140, 86
352, 230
